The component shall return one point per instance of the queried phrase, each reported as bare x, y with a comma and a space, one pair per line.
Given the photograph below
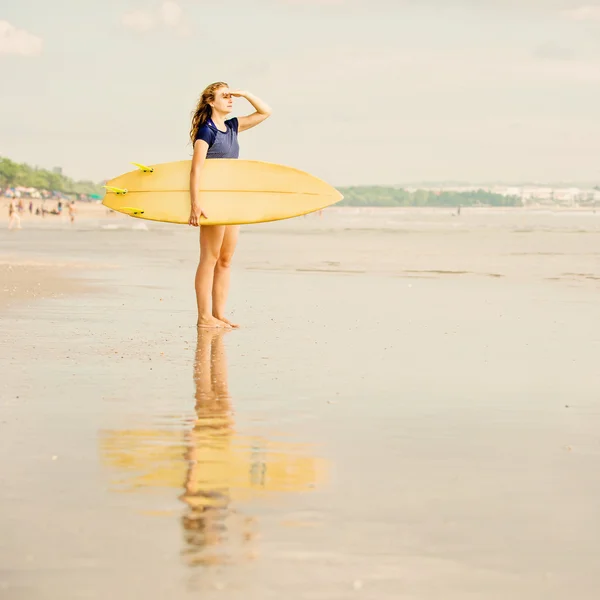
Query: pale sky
363, 91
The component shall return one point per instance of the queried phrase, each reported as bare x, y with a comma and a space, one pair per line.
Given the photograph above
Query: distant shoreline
469, 209
95, 210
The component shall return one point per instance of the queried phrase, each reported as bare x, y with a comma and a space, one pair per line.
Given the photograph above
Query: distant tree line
390, 196
14, 174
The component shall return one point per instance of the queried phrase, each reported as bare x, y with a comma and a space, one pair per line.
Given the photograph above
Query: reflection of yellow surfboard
247, 467
231, 192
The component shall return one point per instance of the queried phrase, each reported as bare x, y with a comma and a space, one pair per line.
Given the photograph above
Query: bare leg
223, 272
211, 239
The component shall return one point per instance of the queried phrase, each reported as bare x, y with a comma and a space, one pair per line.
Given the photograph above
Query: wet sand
410, 411
24, 283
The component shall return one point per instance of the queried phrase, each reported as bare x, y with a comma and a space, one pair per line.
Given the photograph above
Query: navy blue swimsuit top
221, 144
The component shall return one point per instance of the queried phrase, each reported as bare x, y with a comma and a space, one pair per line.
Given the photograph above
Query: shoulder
206, 128
233, 123
206, 133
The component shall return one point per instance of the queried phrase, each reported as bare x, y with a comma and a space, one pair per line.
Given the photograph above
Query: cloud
18, 41
139, 20
553, 51
315, 2
169, 14
521, 6
583, 13
577, 71
459, 73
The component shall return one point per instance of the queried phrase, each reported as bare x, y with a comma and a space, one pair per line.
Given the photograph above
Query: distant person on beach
13, 216
31, 207
72, 211
214, 136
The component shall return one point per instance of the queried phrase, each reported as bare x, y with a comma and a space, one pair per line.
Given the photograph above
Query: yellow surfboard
232, 192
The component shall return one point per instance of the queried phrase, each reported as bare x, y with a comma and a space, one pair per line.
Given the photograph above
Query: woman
214, 136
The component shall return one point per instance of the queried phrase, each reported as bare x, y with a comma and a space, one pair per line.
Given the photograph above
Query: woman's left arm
262, 110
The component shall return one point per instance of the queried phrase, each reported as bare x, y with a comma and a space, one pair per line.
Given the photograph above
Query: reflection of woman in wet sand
206, 486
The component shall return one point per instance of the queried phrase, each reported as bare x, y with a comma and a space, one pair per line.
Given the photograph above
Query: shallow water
410, 411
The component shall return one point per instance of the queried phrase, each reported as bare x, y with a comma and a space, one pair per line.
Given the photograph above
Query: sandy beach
410, 410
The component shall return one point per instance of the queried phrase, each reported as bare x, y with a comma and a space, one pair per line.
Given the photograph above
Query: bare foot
212, 323
228, 322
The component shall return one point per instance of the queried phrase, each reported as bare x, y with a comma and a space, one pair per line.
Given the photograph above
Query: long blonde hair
203, 109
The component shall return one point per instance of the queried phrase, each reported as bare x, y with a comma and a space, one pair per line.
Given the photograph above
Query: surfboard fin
134, 212
115, 190
143, 168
